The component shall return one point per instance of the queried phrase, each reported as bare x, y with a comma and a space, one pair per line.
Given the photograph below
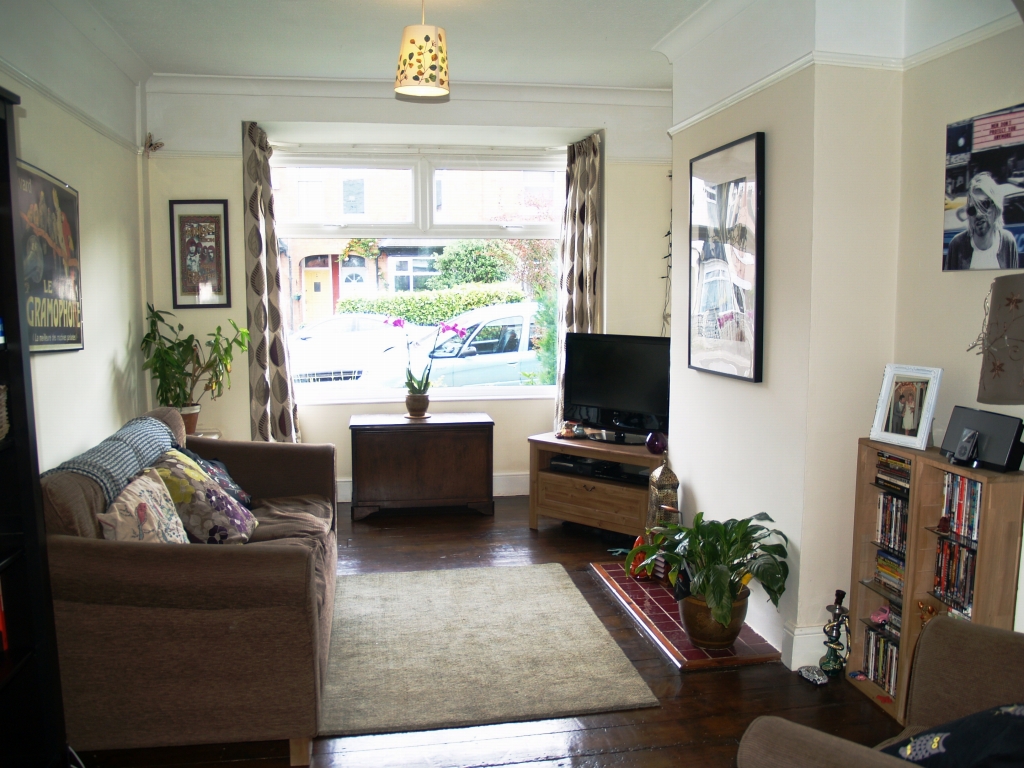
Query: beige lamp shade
423, 62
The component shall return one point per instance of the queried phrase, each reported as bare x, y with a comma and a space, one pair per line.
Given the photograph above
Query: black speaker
998, 444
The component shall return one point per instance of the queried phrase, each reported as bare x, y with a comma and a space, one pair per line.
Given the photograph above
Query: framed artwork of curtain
199, 254
726, 262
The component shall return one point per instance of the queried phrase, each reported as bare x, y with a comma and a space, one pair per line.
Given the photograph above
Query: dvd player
605, 470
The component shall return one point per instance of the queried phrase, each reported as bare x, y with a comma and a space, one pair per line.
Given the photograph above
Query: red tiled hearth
654, 608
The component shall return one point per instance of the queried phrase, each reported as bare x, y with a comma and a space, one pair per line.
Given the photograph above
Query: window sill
439, 395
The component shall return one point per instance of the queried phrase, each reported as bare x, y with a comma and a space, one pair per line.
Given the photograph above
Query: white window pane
498, 197
343, 195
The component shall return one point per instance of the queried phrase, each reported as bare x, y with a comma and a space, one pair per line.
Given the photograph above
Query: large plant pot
703, 630
416, 405
190, 415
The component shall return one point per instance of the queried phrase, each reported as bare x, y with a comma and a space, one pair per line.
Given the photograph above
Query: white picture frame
906, 405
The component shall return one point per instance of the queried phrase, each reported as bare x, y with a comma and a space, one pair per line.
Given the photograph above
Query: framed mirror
727, 260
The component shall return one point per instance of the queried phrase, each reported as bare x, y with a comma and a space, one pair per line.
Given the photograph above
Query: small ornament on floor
813, 675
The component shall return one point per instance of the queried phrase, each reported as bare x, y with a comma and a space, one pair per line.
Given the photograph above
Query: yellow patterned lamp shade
423, 62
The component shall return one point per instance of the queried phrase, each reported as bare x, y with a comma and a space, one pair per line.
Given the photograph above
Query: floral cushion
210, 516
219, 472
143, 511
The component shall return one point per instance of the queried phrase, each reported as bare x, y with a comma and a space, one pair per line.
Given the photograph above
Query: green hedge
432, 307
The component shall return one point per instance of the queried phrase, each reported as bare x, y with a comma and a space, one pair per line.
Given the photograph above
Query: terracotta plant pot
190, 415
416, 405
703, 630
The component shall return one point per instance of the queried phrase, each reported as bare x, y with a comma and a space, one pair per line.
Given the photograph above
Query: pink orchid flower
398, 322
454, 327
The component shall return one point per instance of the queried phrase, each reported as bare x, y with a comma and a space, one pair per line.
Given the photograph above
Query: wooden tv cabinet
607, 504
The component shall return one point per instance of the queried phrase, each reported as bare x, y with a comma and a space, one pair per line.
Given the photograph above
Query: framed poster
984, 206
906, 405
46, 234
727, 259
199, 253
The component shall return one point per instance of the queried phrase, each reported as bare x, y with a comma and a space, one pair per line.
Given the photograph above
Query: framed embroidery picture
726, 263
46, 232
199, 254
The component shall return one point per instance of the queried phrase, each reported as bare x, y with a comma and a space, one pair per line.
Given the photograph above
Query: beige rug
440, 649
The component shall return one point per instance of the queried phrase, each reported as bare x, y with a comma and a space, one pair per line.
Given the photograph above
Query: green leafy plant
473, 261
720, 558
433, 307
181, 365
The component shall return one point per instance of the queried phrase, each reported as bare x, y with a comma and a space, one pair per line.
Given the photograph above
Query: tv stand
619, 438
612, 505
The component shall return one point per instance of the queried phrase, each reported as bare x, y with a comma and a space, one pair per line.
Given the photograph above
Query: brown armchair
959, 668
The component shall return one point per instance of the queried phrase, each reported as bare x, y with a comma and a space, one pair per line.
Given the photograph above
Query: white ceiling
578, 42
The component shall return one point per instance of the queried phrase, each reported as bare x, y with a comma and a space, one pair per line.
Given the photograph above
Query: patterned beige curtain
579, 294
272, 410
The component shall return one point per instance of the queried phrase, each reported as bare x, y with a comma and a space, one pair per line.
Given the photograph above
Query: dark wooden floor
699, 723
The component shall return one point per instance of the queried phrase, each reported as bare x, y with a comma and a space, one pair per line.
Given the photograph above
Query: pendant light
423, 59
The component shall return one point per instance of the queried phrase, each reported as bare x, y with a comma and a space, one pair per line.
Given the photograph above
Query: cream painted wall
740, 448
638, 203
83, 396
939, 314
857, 116
202, 179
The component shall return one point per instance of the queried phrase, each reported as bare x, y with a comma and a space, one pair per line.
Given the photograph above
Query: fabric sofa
958, 669
171, 644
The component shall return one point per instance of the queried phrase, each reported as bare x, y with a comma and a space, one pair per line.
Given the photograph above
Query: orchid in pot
417, 400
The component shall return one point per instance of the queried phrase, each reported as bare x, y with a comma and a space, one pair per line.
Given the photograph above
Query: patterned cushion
210, 516
993, 738
219, 472
143, 512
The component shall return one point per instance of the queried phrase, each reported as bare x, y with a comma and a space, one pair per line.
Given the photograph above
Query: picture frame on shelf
906, 405
46, 227
200, 261
726, 260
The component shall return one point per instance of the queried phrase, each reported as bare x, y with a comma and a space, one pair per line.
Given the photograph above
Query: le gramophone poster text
49, 250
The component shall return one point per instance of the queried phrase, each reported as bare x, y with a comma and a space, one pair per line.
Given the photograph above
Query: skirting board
505, 484
802, 646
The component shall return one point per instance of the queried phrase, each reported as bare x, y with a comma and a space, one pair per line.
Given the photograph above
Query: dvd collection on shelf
881, 659
960, 503
954, 577
891, 529
889, 571
893, 472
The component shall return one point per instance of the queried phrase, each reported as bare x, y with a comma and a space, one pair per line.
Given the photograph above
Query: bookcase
977, 558
31, 710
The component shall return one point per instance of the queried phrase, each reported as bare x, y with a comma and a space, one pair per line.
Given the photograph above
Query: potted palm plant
710, 564
182, 366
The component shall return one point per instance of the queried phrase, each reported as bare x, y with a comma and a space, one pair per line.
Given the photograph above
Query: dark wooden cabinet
31, 710
445, 460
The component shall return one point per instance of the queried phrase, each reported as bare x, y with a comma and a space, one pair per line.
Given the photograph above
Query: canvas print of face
903, 416
201, 264
723, 264
984, 205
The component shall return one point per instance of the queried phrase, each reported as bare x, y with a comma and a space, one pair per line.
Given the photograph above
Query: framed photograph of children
200, 274
46, 227
906, 406
726, 263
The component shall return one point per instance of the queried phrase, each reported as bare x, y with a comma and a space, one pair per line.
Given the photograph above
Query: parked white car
357, 348
498, 349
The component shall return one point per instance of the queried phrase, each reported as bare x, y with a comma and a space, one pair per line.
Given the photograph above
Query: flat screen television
617, 384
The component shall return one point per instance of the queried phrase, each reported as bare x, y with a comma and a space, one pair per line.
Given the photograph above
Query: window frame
423, 162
